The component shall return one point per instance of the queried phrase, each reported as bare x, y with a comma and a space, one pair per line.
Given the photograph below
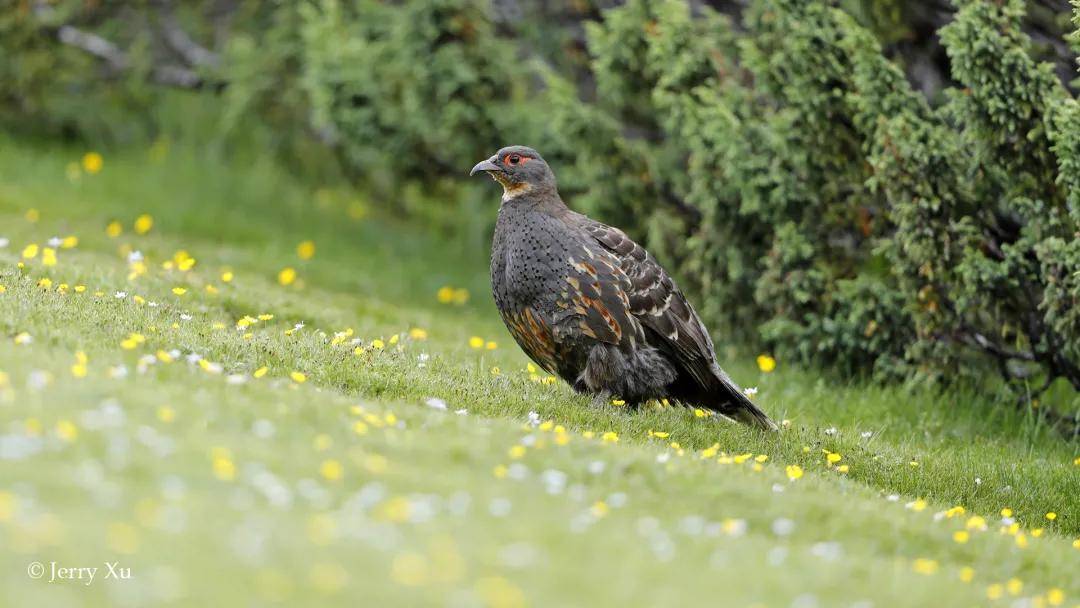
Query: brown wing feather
673, 326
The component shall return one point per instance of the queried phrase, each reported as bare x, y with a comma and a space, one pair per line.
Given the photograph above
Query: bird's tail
736, 405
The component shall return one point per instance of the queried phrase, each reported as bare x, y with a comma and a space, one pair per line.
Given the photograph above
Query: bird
589, 305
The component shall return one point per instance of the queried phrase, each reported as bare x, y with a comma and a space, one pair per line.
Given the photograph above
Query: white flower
461, 412
534, 419
750, 391
194, 358
135, 256
4, 242
55, 241
236, 379
866, 434
435, 403
298, 326
662, 458
152, 304
831, 430
120, 295
783, 526
185, 317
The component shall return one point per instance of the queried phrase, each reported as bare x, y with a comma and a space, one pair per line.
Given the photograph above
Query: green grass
225, 489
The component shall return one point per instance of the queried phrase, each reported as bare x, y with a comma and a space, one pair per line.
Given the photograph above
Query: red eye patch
515, 159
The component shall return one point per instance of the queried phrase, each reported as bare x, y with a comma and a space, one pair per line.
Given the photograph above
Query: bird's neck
532, 197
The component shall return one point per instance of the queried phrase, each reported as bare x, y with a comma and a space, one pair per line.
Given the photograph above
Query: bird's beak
484, 165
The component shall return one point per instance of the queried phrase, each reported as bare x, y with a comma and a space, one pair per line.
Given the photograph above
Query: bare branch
192, 52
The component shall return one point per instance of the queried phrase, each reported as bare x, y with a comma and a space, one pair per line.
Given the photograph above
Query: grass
345, 485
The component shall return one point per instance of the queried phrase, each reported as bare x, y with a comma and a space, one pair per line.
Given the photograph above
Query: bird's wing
673, 327
656, 302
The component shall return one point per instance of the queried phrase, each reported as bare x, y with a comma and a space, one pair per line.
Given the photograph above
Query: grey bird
588, 304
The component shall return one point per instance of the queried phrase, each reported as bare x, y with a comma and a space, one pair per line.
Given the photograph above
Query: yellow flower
925, 566
1006, 512
445, 295
378, 344
2, 289
179, 290
700, 413
1055, 596
144, 224
286, 276
995, 591
166, 414
305, 250
793, 471
1014, 586
491, 345
599, 509
227, 276
223, 466
45, 283
975, 522
30, 251
967, 574
516, 452
298, 377
500, 471
461, 296
259, 373
1051, 516
610, 437
476, 342
66, 430
418, 334
92, 162
69, 242
833, 457
23, 338
659, 434
766, 363
961, 536
331, 469
114, 229
48, 256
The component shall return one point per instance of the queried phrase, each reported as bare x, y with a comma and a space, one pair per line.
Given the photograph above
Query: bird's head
519, 169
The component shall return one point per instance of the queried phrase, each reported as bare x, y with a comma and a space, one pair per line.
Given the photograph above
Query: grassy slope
434, 507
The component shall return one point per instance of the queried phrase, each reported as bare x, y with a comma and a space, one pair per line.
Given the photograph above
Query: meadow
250, 391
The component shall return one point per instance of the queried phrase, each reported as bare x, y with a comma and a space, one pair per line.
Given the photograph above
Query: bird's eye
513, 159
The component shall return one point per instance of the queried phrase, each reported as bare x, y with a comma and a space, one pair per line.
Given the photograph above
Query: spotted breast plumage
588, 304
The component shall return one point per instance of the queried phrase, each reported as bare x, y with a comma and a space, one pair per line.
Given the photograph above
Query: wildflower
227, 276
331, 469
832, 458
599, 509
793, 471
700, 413
975, 522
843, 468
45, 283
766, 363
610, 437
179, 290
69, 242
378, 344
143, 224
287, 276
222, 464
166, 414
476, 342
659, 434
1014, 586
516, 452
79, 370
298, 377
967, 574
2, 289
92, 162
23, 338
961, 536
114, 229
500, 471
1006, 512
259, 373
66, 430
80, 288
916, 505
1051, 516
48, 257
305, 250
995, 591
925, 566
30, 251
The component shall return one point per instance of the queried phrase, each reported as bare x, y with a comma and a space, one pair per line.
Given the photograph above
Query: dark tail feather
736, 405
